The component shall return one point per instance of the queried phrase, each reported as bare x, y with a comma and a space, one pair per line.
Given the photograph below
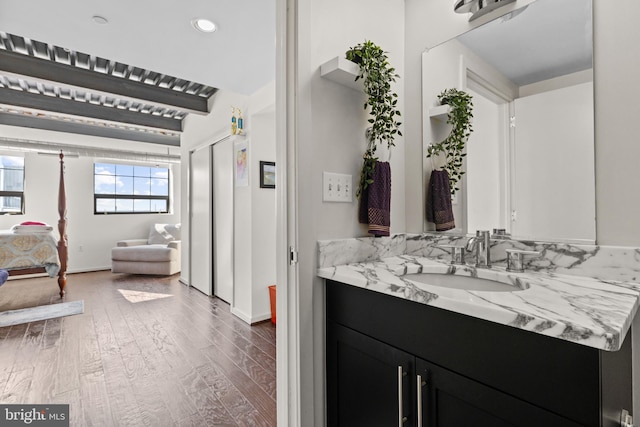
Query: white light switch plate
337, 187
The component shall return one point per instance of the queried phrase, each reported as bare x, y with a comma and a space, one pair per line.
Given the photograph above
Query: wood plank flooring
146, 352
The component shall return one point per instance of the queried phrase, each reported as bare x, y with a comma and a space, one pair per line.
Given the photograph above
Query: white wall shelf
342, 71
440, 112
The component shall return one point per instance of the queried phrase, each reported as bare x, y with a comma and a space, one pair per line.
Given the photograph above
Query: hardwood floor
146, 352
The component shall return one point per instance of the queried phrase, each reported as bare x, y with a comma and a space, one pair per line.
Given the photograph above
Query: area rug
42, 312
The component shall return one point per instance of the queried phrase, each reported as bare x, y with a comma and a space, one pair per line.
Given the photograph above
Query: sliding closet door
200, 254
223, 220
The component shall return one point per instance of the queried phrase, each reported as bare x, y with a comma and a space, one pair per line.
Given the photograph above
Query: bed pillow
161, 234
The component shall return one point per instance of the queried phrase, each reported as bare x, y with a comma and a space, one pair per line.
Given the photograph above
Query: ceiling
137, 75
549, 38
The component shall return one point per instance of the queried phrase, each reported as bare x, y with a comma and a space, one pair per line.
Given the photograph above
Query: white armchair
157, 255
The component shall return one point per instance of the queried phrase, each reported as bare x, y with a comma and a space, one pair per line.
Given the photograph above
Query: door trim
288, 320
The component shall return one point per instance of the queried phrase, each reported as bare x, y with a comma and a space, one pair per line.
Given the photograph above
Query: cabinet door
452, 400
368, 382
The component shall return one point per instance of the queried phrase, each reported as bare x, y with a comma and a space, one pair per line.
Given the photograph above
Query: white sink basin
467, 283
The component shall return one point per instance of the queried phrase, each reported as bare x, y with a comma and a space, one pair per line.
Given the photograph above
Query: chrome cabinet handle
401, 418
419, 385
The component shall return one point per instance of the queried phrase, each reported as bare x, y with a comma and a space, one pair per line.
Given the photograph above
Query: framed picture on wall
267, 174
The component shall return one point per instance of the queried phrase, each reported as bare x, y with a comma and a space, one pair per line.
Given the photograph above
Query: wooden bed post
62, 229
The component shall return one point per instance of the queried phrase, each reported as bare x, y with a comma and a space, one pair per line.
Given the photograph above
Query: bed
37, 252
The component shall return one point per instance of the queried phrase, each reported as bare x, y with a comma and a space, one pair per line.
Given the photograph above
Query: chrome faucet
480, 246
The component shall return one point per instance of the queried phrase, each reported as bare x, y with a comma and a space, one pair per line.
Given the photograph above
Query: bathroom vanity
553, 352
386, 353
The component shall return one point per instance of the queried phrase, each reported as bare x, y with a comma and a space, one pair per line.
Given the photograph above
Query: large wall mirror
530, 160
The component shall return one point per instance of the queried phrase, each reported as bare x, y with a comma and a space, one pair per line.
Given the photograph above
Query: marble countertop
583, 310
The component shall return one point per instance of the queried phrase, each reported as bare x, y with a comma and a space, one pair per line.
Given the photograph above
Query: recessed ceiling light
204, 25
99, 19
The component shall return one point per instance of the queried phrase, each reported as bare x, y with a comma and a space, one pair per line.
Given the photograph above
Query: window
11, 185
120, 188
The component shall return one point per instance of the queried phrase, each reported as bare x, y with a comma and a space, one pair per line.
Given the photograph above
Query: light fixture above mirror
477, 8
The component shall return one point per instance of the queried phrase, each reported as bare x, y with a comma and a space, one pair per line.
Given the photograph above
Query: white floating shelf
440, 112
342, 71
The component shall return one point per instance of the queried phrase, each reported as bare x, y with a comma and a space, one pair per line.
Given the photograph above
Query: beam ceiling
67, 125
36, 77
46, 71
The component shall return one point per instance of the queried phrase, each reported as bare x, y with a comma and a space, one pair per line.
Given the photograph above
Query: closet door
223, 187
200, 231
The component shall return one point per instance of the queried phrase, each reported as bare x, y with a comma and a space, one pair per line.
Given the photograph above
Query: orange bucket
272, 300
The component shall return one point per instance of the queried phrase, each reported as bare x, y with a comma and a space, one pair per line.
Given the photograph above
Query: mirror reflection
530, 159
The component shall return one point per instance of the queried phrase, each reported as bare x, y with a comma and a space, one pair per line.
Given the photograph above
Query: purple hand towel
375, 201
439, 209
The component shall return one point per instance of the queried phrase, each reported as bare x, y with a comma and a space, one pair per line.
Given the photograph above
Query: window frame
11, 193
114, 196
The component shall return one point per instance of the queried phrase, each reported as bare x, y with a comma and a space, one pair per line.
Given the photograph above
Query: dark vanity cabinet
371, 382
393, 362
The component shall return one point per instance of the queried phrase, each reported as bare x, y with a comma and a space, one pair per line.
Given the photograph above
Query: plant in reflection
377, 75
459, 117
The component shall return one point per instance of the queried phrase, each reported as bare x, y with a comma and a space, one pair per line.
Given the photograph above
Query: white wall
554, 166
90, 236
330, 137
254, 210
616, 33
262, 204
255, 221
263, 269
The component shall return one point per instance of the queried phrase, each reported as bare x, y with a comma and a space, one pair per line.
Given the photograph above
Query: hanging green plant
453, 145
377, 75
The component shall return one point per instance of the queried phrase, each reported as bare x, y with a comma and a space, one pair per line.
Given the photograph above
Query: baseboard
261, 318
241, 315
249, 319
87, 269
72, 271
184, 281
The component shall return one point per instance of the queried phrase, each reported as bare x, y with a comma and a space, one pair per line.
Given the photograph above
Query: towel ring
429, 147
